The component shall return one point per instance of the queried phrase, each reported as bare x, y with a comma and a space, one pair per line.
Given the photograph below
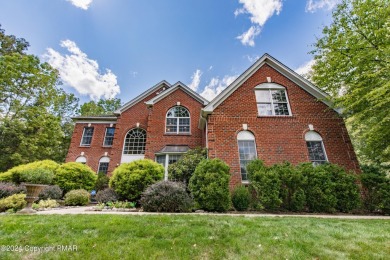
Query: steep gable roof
277, 65
178, 85
143, 95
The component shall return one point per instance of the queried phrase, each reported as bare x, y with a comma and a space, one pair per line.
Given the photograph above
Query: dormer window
178, 120
272, 100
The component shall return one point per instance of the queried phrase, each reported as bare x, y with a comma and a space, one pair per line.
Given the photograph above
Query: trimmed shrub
34, 176
166, 196
266, 184
319, 189
77, 198
51, 192
106, 195
43, 204
8, 189
183, 169
45, 164
73, 175
210, 185
14, 202
102, 181
241, 198
129, 180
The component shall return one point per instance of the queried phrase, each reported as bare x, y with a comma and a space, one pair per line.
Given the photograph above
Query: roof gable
142, 96
178, 85
278, 66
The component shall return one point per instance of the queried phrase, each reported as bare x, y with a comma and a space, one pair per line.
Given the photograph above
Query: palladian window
178, 120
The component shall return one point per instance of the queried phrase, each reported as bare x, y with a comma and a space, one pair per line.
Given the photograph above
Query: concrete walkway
88, 210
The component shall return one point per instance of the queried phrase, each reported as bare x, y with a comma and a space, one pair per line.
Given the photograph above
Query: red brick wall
157, 138
92, 153
278, 138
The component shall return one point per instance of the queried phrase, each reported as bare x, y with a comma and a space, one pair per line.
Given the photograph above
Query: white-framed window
109, 136
81, 159
103, 164
177, 120
316, 148
86, 139
135, 141
272, 100
167, 159
247, 151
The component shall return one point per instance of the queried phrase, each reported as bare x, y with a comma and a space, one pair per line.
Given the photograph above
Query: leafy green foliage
34, 176
77, 198
166, 196
106, 195
51, 192
102, 181
210, 185
352, 63
35, 113
266, 184
241, 198
14, 202
44, 204
73, 175
12, 174
129, 180
8, 189
183, 169
103, 106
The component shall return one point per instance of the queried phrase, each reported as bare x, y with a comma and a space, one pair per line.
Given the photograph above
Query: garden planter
33, 191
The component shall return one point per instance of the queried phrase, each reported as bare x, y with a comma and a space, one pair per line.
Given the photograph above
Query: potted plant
34, 180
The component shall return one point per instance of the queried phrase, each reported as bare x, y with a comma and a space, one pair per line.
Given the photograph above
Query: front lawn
191, 237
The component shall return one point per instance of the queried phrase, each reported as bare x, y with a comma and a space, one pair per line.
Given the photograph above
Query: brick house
268, 112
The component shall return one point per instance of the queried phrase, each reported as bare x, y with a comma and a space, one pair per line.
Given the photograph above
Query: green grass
195, 237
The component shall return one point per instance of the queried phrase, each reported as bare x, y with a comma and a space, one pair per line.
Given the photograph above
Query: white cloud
83, 4
216, 86
82, 73
252, 59
247, 38
314, 5
260, 11
211, 67
305, 69
195, 80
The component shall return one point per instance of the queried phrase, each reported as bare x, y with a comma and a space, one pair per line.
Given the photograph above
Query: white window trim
245, 139
177, 122
124, 142
166, 162
82, 137
104, 139
269, 87
316, 140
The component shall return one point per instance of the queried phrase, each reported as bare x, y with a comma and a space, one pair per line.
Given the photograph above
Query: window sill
273, 116
176, 134
107, 146
85, 146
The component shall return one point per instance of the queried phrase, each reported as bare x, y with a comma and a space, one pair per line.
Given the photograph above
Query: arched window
315, 146
81, 159
272, 100
103, 164
135, 141
178, 120
246, 150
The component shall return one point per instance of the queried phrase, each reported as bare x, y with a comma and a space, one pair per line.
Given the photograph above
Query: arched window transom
178, 120
135, 141
315, 147
247, 151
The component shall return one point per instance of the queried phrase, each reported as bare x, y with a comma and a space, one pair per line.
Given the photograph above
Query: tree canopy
34, 111
352, 63
103, 106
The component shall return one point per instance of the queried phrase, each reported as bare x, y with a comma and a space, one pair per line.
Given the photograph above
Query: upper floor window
272, 100
135, 141
87, 136
316, 149
246, 150
103, 164
178, 120
109, 136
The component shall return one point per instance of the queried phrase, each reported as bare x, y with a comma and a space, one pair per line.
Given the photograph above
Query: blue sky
120, 48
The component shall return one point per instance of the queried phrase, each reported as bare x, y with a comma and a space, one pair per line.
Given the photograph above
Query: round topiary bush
129, 180
241, 198
210, 185
34, 176
73, 175
45, 164
106, 195
51, 192
166, 196
77, 198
